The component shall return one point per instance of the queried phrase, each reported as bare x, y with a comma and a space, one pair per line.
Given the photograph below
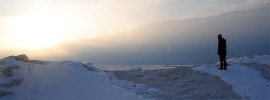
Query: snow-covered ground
133, 67
264, 59
23, 79
246, 81
248, 77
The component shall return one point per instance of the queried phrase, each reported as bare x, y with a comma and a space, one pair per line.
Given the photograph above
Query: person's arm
218, 48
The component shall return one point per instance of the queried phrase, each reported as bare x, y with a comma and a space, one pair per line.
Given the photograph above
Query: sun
36, 31
41, 28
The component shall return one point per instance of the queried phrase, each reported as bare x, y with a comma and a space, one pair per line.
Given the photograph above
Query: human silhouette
222, 52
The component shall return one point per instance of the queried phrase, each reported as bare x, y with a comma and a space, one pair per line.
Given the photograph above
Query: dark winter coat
222, 46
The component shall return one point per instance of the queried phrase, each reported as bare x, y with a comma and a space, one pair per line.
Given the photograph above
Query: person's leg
221, 62
225, 63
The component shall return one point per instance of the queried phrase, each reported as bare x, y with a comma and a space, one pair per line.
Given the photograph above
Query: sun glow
40, 30
49, 28
44, 25
34, 32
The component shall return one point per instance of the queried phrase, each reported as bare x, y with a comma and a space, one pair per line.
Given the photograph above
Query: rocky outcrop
22, 57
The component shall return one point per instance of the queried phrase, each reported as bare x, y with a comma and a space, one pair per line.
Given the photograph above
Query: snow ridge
22, 78
245, 81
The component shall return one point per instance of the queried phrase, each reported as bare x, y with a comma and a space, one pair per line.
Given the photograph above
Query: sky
117, 32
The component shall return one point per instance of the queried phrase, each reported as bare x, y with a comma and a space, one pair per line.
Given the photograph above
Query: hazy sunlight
99, 30
43, 30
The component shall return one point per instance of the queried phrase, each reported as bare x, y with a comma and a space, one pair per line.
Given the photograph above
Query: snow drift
245, 76
24, 79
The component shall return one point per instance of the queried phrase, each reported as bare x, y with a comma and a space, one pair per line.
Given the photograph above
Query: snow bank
24, 79
133, 87
245, 81
264, 59
130, 67
67, 80
136, 69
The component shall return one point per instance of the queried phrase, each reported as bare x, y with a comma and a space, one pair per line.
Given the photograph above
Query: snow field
66, 80
245, 81
24, 79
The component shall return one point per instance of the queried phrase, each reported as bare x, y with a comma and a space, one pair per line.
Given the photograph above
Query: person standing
222, 52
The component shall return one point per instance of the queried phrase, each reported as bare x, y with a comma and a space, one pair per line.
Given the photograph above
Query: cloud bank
140, 31
191, 41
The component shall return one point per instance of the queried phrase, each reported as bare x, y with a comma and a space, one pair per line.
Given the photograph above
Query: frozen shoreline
24, 79
21, 78
181, 83
226, 84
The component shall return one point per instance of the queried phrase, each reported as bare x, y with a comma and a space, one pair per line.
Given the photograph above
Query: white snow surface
264, 59
245, 81
136, 67
66, 80
69, 80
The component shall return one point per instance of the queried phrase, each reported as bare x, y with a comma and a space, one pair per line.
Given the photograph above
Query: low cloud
192, 41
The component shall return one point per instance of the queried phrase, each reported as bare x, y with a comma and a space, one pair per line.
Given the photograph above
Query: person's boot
221, 66
225, 65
